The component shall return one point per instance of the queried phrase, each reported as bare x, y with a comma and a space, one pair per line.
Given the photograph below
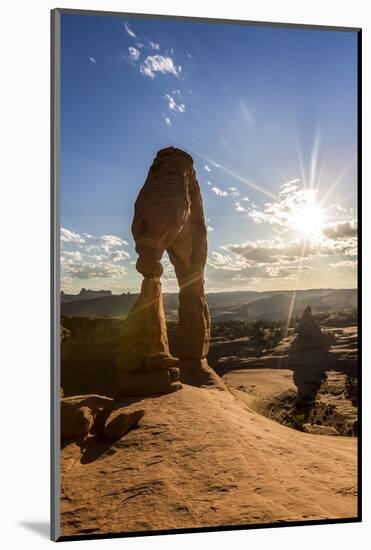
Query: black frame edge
200, 19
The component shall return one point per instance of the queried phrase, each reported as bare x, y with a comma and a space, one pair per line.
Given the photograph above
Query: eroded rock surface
183, 468
168, 217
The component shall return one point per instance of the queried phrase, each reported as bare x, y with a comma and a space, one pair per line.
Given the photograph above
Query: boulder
120, 422
76, 421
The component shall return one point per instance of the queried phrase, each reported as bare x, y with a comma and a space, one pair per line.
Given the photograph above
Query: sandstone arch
168, 216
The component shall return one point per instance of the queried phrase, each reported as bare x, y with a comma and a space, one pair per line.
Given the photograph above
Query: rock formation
310, 336
86, 415
309, 359
168, 217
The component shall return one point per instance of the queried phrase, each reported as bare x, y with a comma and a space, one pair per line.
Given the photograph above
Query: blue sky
269, 116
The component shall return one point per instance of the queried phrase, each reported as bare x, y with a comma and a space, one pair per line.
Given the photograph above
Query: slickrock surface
273, 382
200, 457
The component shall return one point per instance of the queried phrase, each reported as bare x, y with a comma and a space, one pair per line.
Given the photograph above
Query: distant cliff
243, 305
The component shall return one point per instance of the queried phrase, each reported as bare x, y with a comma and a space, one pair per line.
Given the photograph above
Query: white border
25, 276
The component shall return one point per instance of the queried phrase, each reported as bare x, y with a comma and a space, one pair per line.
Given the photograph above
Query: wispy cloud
207, 168
92, 60
83, 270
345, 263
154, 45
129, 31
233, 191
219, 192
167, 121
247, 114
134, 53
240, 208
173, 105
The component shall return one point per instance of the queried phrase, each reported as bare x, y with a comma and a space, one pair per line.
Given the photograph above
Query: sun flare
308, 218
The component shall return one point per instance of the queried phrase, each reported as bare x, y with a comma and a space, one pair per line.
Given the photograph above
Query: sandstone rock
144, 332
76, 421
120, 422
92, 401
320, 430
168, 217
310, 336
81, 414
154, 382
160, 361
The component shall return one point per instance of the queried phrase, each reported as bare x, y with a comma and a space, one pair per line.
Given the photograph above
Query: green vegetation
351, 389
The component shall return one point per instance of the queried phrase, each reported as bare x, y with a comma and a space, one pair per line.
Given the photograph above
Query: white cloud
173, 105
246, 199
207, 168
92, 60
68, 236
248, 262
107, 242
219, 192
234, 191
167, 121
154, 64
129, 31
90, 256
81, 270
118, 255
341, 230
209, 228
226, 262
134, 53
154, 45
240, 208
71, 257
291, 199
345, 263
272, 251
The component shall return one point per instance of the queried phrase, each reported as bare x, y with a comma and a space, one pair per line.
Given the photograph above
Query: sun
307, 219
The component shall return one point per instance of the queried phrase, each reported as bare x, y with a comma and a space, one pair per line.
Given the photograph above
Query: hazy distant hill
244, 305
84, 295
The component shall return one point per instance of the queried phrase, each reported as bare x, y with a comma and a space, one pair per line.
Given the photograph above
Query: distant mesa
85, 294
